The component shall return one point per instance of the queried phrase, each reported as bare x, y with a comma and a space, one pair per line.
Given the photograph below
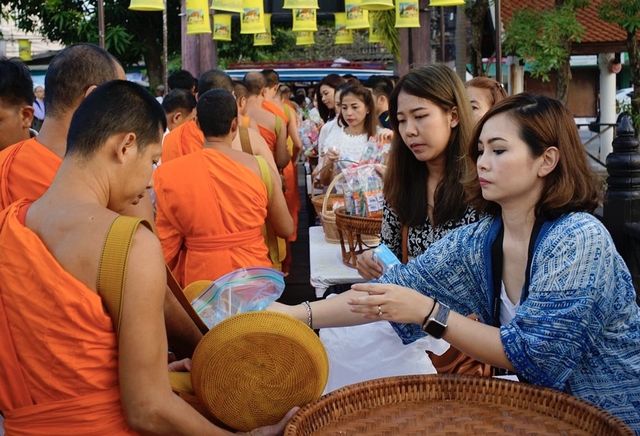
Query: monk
213, 203
179, 106
28, 167
64, 371
271, 126
16, 102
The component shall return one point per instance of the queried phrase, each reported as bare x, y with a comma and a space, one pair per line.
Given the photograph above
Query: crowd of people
487, 204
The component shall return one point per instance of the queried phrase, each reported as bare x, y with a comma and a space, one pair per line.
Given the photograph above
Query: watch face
435, 329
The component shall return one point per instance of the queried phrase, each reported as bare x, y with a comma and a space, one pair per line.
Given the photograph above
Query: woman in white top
348, 140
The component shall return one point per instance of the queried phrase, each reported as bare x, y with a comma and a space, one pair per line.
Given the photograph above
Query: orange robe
210, 213
59, 365
184, 139
289, 173
26, 171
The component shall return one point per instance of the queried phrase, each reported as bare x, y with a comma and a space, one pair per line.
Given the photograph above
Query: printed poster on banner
343, 35
198, 17
305, 38
304, 20
407, 13
222, 27
252, 17
260, 39
357, 18
227, 5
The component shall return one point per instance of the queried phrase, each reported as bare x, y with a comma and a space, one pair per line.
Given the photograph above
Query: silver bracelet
309, 314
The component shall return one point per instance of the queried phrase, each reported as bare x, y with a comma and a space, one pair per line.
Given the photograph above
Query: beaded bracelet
309, 314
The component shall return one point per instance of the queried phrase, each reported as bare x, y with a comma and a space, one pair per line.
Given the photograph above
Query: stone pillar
516, 77
199, 52
415, 43
622, 199
607, 102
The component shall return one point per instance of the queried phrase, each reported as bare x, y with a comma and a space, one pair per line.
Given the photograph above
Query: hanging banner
252, 17
435, 3
147, 5
305, 38
264, 38
343, 35
357, 18
24, 49
378, 5
297, 4
222, 27
407, 14
198, 17
227, 5
374, 34
304, 20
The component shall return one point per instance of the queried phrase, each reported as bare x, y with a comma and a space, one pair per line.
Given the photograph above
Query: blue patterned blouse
579, 329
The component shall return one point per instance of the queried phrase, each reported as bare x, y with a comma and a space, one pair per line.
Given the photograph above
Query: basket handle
328, 193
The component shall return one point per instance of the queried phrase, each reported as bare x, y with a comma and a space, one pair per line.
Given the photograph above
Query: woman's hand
368, 267
391, 303
275, 429
183, 365
332, 154
384, 136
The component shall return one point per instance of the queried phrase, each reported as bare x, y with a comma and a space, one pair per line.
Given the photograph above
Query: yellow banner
24, 49
264, 38
252, 17
222, 27
304, 20
305, 38
446, 3
343, 35
374, 34
297, 4
377, 5
198, 17
227, 5
357, 18
407, 13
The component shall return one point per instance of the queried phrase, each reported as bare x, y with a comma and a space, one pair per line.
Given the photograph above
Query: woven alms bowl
252, 368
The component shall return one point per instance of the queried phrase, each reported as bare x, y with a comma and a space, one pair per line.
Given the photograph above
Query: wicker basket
447, 404
357, 234
327, 216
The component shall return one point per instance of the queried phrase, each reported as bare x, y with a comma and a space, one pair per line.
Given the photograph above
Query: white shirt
507, 308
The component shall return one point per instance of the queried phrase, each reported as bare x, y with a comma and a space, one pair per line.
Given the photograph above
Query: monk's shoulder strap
265, 173
245, 141
112, 270
278, 126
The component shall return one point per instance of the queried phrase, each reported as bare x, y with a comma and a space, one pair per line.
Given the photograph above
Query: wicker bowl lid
252, 368
448, 404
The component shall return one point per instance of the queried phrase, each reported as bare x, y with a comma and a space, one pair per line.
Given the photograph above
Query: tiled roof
596, 30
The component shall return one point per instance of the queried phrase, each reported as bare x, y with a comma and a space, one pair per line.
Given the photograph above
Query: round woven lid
252, 368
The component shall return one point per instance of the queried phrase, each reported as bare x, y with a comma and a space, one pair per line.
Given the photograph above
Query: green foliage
385, 21
543, 38
624, 13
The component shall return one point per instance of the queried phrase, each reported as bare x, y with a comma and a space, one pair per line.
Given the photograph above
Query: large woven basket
327, 216
357, 234
449, 404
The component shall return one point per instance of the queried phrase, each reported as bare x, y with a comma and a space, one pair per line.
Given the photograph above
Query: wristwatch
437, 323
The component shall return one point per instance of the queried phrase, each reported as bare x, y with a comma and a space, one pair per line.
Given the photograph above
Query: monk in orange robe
28, 168
213, 203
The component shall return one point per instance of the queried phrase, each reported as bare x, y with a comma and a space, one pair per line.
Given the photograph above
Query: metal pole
443, 56
101, 23
165, 56
498, 42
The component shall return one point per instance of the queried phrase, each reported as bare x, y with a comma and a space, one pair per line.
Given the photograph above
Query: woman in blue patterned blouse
555, 299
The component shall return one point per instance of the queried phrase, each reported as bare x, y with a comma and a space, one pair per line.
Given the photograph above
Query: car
623, 100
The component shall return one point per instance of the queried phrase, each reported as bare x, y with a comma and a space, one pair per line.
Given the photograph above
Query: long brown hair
405, 187
363, 94
495, 88
542, 122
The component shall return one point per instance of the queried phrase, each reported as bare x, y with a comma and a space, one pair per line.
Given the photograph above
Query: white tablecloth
325, 263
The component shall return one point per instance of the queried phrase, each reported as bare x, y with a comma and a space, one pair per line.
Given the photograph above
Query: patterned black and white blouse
419, 237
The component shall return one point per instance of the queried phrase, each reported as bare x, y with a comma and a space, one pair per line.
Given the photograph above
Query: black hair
332, 81
178, 99
115, 107
72, 71
240, 89
214, 79
216, 110
16, 86
271, 76
255, 82
181, 79
380, 85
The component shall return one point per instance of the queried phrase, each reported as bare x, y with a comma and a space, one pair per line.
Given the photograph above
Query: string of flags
253, 19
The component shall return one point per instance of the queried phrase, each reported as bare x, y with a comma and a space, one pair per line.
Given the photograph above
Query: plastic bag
242, 290
362, 189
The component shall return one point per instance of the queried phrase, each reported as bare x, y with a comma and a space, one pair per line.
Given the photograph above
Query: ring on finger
379, 311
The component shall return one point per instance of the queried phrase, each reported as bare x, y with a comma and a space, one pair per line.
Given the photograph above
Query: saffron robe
289, 172
26, 171
59, 366
184, 139
210, 213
